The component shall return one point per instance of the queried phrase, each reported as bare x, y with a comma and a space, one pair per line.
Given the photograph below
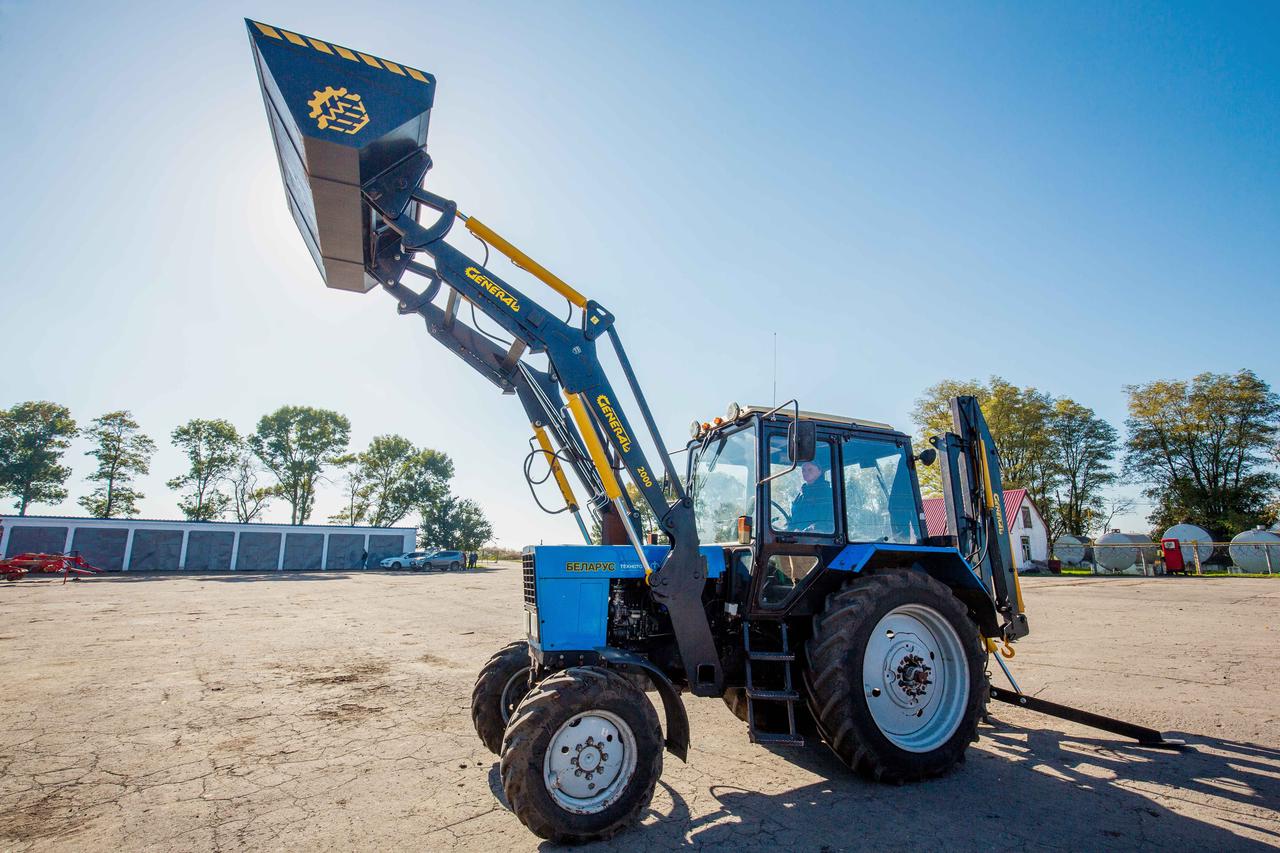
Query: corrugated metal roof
935, 513
86, 519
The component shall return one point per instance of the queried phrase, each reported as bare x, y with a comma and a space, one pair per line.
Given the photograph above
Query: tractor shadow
1038, 789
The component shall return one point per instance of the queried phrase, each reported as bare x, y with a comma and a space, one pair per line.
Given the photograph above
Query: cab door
800, 527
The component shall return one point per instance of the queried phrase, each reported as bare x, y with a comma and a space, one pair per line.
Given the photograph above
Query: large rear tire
895, 676
503, 681
581, 756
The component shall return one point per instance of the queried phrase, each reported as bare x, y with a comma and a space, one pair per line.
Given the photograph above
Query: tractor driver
812, 508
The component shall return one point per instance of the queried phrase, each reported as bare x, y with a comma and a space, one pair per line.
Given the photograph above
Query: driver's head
811, 472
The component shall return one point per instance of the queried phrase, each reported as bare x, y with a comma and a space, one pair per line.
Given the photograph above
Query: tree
123, 452
295, 443
398, 477
33, 437
932, 416
1083, 447
1019, 422
1101, 521
213, 450
248, 499
353, 486
1202, 446
454, 523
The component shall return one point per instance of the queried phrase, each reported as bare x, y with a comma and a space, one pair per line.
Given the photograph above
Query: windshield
723, 484
878, 498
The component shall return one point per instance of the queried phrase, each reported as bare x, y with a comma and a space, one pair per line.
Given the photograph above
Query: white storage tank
1069, 549
1115, 551
1249, 550
1186, 534
1147, 550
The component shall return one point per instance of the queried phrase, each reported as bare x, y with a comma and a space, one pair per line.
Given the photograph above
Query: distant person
364, 559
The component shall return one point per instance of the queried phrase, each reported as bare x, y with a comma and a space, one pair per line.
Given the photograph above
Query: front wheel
896, 676
502, 683
581, 755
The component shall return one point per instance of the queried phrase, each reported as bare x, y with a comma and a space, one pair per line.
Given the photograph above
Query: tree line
1205, 450
289, 453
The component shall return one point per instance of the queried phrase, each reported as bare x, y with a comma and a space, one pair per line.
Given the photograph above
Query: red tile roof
935, 514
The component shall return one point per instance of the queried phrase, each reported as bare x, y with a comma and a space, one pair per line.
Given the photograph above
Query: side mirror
928, 456
802, 441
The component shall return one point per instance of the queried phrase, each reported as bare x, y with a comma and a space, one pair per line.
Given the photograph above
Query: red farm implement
14, 568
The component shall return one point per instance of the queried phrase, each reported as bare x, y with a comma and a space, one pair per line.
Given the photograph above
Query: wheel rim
915, 678
589, 761
512, 692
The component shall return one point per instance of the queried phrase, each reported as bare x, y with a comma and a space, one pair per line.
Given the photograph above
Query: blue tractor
786, 570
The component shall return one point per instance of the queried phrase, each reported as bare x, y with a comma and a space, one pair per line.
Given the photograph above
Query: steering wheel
785, 515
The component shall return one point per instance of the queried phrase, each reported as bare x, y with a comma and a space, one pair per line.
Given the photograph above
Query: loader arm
350, 135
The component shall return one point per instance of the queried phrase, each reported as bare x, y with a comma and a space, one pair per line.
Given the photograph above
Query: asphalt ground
331, 711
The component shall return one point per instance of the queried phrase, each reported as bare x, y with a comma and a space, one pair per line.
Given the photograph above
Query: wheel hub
913, 676
590, 758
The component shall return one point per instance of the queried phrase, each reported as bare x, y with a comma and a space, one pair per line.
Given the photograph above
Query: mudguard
945, 565
677, 739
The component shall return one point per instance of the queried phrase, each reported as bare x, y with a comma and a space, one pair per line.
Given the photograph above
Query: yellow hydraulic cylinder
545, 443
596, 450
523, 261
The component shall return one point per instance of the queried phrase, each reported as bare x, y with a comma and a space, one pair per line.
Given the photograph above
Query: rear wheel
454, 566
502, 683
895, 676
581, 756
396, 566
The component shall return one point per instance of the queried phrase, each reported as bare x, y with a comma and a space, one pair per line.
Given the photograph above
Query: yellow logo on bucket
338, 109
488, 284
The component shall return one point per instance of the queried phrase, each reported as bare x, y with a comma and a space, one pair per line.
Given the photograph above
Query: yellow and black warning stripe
339, 50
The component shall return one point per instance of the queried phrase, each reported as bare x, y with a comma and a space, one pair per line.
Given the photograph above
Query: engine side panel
567, 590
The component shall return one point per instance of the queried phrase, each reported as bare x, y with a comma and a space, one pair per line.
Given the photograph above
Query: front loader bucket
338, 118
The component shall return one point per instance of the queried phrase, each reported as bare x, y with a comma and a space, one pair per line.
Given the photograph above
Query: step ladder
787, 695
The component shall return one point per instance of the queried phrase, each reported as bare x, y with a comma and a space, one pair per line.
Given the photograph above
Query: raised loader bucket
338, 118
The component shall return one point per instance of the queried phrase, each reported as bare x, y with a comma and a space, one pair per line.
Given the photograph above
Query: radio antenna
775, 369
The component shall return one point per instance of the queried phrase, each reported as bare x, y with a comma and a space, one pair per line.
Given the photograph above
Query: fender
945, 565
677, 740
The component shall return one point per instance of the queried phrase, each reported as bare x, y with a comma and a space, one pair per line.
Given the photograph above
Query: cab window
801, 501
879, 503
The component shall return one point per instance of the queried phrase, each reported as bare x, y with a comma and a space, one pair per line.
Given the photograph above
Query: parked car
411, 560
450, 561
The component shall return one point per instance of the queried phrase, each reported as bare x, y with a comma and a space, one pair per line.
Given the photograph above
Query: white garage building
117, 544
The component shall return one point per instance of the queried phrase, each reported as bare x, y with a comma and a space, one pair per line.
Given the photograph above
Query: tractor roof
819, 416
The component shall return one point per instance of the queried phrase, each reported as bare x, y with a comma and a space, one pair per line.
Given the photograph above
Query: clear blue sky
1076, 196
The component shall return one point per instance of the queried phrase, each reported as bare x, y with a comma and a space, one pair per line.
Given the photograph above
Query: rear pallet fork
1143, 735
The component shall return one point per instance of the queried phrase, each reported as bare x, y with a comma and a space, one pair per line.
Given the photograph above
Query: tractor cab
785, 492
